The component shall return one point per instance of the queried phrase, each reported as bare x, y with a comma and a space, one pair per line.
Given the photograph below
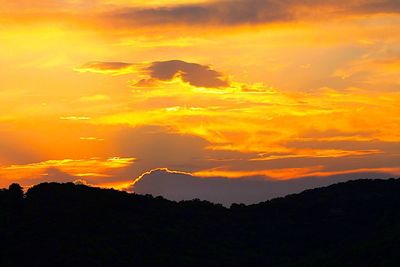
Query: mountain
356, 223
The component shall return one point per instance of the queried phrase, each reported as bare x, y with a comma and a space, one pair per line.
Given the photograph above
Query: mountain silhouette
356, 223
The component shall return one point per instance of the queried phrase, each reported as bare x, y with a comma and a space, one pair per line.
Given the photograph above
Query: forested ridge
356, 223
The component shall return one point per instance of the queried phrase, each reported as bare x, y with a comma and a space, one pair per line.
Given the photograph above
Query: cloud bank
239, 12
113, 15
248, 190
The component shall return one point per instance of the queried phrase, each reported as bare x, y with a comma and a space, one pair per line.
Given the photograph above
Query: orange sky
106, 91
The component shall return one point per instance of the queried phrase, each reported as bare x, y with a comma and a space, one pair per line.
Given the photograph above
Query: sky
267, 97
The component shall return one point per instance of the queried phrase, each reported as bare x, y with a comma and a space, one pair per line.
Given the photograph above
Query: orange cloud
278, 174
93, 167
291, 173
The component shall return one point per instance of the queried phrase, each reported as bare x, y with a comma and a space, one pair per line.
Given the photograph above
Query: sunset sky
104, 91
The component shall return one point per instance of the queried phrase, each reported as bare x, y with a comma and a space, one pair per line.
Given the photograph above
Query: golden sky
104, 91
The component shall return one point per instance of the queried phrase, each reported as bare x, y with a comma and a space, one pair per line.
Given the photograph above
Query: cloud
219, 12
192, 73
184, 186
378, 6
113, 68
239, 12
62, 170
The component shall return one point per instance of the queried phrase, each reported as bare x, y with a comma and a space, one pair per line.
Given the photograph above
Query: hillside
356, 223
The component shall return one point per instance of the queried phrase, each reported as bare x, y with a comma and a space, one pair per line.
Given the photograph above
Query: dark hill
355, 223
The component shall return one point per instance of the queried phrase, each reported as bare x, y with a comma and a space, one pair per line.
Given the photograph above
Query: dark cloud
220, 12
239, 12
181, 186
191, 73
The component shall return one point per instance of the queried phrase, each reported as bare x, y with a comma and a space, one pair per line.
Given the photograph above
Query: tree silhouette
16, 191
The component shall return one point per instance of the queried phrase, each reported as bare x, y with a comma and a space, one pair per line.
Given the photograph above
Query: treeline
349, 224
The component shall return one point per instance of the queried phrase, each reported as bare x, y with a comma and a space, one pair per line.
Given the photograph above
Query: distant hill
356, 223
